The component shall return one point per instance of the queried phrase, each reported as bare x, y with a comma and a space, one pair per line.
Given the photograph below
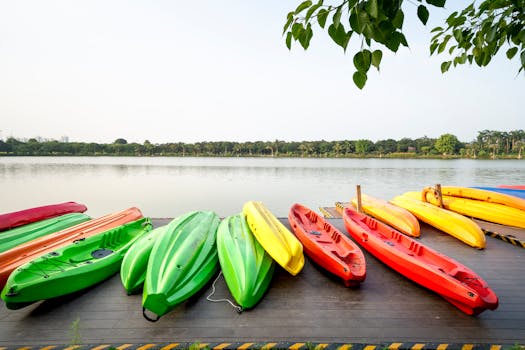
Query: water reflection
167, 187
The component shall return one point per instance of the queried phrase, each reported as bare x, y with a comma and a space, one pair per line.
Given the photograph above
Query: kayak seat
101, 253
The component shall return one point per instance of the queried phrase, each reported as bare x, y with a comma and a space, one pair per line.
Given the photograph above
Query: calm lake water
168, 187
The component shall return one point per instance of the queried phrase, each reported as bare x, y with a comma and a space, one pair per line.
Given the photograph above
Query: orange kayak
28, 251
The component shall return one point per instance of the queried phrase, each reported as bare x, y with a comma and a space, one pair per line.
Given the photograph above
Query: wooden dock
309, 310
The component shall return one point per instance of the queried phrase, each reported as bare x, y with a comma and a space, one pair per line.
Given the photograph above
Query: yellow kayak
397, 217
274, 237
487, 211
484, 195
447, 221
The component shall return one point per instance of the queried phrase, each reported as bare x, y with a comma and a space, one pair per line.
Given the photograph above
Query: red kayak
327, 246
27, 216
453, 281
514, 187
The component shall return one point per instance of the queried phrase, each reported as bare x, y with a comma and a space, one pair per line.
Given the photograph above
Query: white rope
236, 307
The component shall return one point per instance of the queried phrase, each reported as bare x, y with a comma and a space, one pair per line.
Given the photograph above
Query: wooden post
358, 190
439, 195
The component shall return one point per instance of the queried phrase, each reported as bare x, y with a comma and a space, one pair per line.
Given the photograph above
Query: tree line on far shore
488, 144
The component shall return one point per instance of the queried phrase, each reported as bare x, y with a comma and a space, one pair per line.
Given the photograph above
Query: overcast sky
173, 71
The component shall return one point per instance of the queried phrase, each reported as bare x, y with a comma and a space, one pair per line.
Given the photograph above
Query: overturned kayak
27, 216
28, 251
483, 210
183, 259
274, 237
246, 266
135, 262
327, 246
72, 268
397, 217
483, 195
16, 236
508, 191
447, 221
443, 275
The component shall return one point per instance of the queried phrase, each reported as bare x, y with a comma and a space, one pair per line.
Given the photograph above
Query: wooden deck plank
310, 307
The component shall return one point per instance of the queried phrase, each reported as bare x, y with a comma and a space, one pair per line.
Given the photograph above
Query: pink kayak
27, 216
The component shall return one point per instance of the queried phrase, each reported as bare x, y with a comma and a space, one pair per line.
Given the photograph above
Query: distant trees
488, 144
447, 144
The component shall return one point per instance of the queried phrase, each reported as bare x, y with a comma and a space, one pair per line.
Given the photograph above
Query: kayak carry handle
149, 318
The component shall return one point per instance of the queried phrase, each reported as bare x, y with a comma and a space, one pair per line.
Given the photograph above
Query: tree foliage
474, 35
488, 144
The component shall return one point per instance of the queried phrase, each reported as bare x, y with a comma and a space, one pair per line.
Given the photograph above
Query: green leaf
302, 6
422, 13
372, 8
289, 40
362, 60
512, 52
287, 24
458, 35
311, 11
438, 3
445, 66
443, 45
452, 48
297, 29
437, 29
522, 56
398, 20
322, 15
306, 36
339, 35
393, 43
433, 47
377, 55
359, 78
337, 17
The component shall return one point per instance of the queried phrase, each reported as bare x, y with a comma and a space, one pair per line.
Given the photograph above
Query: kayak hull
483, 195
183, 259
397, 217
447, 221
72, 268
22, 234
28, 251
135, 262
443, 275
508, 191
274, 237
327, 246
27, 216
246, 266
483, 210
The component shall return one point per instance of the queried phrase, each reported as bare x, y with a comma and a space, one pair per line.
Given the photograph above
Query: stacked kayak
28, 251
247, 267
16, 236
135, 262
275, 238
492, 210
327, 246
27, 216
516, 187
397, 217
508, 191
447, 221
183, 259
450, 279
483, 195
74, 267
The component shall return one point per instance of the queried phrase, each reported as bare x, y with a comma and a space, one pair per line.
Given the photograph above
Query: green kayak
16, 236
135, 262
73, 267
247, 267
183, 259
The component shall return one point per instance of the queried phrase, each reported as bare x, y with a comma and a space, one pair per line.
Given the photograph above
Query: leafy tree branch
474, 34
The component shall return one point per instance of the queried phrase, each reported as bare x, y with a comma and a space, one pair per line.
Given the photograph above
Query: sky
173, 71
